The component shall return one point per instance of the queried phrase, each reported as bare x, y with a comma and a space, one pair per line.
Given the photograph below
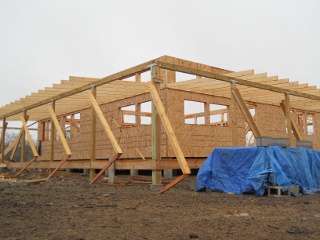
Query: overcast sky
42, 41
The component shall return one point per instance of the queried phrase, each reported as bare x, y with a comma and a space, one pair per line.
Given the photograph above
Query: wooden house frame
83, 121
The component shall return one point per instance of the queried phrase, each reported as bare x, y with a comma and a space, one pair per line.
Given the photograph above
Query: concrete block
278, 191
305, 144
282, 142
263, 141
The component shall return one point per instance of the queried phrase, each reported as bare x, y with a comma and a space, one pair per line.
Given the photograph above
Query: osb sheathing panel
195, 140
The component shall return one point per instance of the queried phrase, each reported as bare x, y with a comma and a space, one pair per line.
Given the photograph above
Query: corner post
93, 135
156, 128
233, 115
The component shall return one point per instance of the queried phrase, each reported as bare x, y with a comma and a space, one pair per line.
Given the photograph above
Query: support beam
224, 78
3, 138
295, 128
62, 137
93, 135
288, 119
17, 142
233, 116
105, 124
23, 141
155, 127
246, 113
33, 147
169, 130
52, 133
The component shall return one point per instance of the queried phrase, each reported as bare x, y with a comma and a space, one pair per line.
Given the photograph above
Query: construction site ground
67, 207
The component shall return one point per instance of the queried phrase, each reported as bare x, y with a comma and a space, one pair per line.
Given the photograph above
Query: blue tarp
252, 169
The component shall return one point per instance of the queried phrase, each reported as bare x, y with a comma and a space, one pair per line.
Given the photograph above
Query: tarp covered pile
253, 169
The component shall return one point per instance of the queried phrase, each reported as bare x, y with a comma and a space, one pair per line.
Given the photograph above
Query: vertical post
207, 113
93, 135
288, 119
52, 134
156, 128
233, 115
3, 138
23, 141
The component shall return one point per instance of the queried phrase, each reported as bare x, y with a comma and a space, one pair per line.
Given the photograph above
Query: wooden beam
59, 166
93, 135
52, 133
3, 139
174, 182
239, 81
155, 127
62, 137
105, 124
294, 125
169, 130
288, 119
233, 116
25, 127
246, 112
26, 166
105, 168
23, 141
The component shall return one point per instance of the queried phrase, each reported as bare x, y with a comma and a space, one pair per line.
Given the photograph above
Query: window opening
194, 112
219, 115
145, 114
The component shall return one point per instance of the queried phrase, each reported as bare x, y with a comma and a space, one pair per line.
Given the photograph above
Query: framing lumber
26, 166
52, 132
105, 168
93, 134
59, 166
174, 182
155, 127
169, 130
246, 112
120, 75
288, 117
26, 130
233, 116
62, 137
3, 136
190, 70
105, 124
23, 141
294, 125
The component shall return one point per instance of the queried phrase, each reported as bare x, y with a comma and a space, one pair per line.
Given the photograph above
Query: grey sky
43, 42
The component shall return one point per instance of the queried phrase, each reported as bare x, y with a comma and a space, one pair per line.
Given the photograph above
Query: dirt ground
67, 207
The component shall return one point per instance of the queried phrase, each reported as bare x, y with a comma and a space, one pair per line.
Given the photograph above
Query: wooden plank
3, 134
23, 141
174, 182
288, 118
295, 127
62, 137
246, 113
105, 124
26, 166
233, 116
59, 166
26, 130
169, 130
52, 132
93, 135
105, 168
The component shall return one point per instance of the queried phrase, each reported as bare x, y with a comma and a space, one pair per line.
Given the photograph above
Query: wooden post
156, 128
23, 141
3, 138
207, 113
93, 135
233, 116
288, 119
52, 134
